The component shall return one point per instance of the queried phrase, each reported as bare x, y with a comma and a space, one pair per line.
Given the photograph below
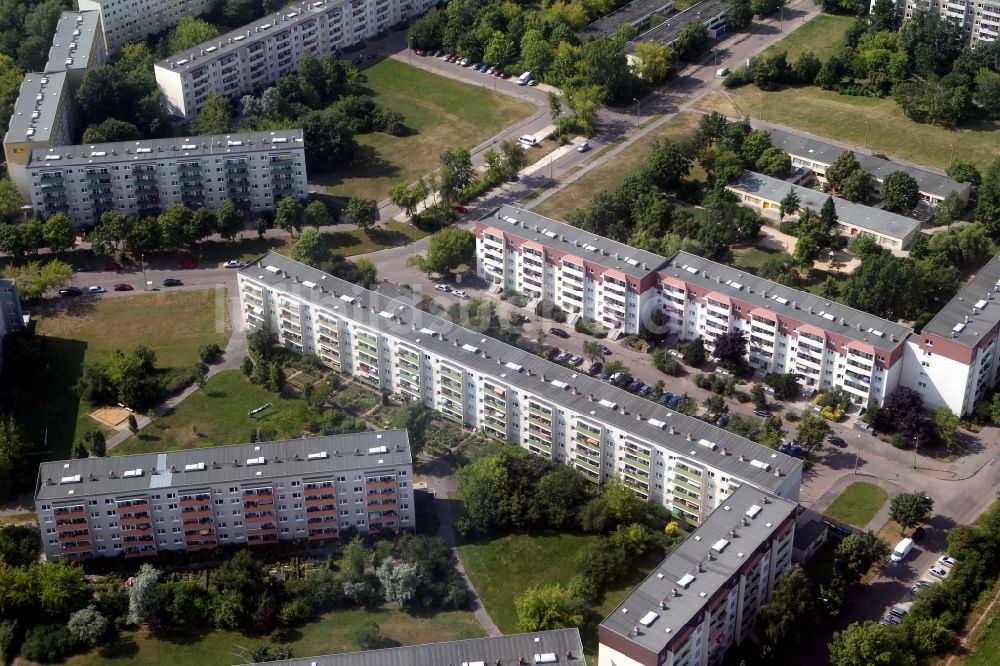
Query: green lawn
987, 644
613, 172
174, 325
752, 258
218, 414
440, 112
858, 504
329, 635
822, 35
389, 234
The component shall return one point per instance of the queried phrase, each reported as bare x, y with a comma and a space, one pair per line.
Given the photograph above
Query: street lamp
638, 105
952, 158
142, 265
866, 133
914, 452
762, 106
781, 20
857, 456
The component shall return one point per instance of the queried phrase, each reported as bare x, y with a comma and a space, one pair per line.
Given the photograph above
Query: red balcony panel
256, 502
75, 524
131, 530
380, 485
382, 507
265, 517
196, 502
195, 514
83, 535
318, 512
134, 520
81, 549
318, 500
69, 515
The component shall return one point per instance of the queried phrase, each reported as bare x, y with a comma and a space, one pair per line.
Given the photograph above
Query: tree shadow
286, 635
368, 162
122, 647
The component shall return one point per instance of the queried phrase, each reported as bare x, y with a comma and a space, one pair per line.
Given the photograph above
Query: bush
900, 441
48, 643
176, 380
210, 353
738, 77
789, 227
519, 300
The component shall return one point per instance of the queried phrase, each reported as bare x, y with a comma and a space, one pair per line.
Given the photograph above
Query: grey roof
573, 240
158, 149
930, 182
39, 93
409, 324
256, 30
631, 14
109, 473
684, 560
79, 28
872, 219
668, 31
488, 651
978, 301
800, 305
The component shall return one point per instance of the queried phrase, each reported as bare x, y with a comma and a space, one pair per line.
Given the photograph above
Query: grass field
822, 35
437, 110
217, 414
330, 634
613, 172
174, 325
858, 504
752, 258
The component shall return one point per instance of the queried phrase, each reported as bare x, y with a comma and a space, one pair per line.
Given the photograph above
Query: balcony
75, 514
380, 485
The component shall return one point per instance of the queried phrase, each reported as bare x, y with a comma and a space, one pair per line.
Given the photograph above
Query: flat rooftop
974, 311
548, 381
866, 217
178, 147
74, 38
631, 14
668, 31
642, 606
287, 17
559, 646
573, 240
930, 182
65, 480
34, 116
803, 306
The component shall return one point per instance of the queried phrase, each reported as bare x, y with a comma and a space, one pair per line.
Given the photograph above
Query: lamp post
866, 133
952, 158
781, 20
638, 106
142, 265
762, 106
914, 452
857, 456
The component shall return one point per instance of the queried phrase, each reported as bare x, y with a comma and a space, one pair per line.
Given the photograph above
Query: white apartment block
77, 46
825, 343
705, 596
127, 21
507, 393
144, 178
42, 117
954, 360
979, 20
306, 489
250, 58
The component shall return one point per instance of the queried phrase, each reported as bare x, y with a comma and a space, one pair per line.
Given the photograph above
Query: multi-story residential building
954, 360
197, 499
891, 231
11, 318
254, 56
557, 646
507, 393
77, 45
639, 14
705, 596
713, 13
143, 178
980, 21
825, 343
133, 20
584, 274
42, 117
817, 156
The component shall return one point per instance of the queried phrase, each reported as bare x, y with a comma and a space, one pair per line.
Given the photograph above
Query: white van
901, 550
524, 78
529, 141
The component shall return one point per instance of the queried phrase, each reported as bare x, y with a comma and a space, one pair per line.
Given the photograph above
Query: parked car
594, 368
172, 282
461, 294
459, 208
442, 287
575, 360
420, 52
890, 619
559, 333
70, 291
233, 263
676, 354
939, 572
722, 421
918, 534
85, 268
605, 351
583, 146
674, 402
605, 375
186, 264
563, 357
552, 353
123, 287
532, 82
112, 266
96, 289
666, 397
763, 413
633, 386
645, 389
947, 561
837, 441
898, 611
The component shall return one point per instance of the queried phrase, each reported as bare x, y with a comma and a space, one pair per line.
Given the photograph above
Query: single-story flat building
890, 230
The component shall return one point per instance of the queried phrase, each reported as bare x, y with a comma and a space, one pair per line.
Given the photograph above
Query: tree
869, 644
133, 425
857, 187
693, 351
900, 192
844, 165
806, 251
87, 625
311, 249
414, 417
328, 139
450, 248
18, 546
791, 613
96, 444
355, 558
667, 165
964, 171
910, 509
484, 485
766, 7
111, 130
988, 207
399, 581
692, 40
789, 205
13, 456
289, 215
655, 62
229, 220
142, 593
368, 636
740, 15
317, 215
540, 608
190, 32
811, 432
859, 552
47, 643
459, 162
730, 348
806, 67
364, 212
785, 385
59, 232
499, 50
34, 278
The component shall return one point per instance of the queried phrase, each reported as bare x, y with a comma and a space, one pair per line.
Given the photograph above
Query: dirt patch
112, 417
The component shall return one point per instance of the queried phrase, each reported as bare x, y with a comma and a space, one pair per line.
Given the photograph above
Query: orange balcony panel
318, 500
381, 485
196, 502
70, 536
134, 520
190, 535
79, 549
318, 513
265, 517
194, 547
195, 514
68, 526
69, 515
262, 527
372, 506
261, 539
131, 530
257, 501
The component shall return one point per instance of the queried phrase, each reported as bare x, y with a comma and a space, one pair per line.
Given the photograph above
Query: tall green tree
289, 215
910, 509
311, 249
790, 615
869, 644
190, 32
13, 456
229, 220
545, 607
214, 117
59, 232
900, 192
450, 248
740, 15
655, 62
317, 214
364, 212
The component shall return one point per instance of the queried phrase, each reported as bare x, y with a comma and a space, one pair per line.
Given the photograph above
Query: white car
583, 146
442, 287
233, 263
96, 289
939, 572
947, 561
461, 294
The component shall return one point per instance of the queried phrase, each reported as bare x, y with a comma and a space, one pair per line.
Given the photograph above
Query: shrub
792, 416
48, 643
900, 441
176, 380
789, 227
209, 353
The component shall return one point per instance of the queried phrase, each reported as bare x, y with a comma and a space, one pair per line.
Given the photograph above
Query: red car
123, 287
420, 52
186, 264
459, 208
112, 266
